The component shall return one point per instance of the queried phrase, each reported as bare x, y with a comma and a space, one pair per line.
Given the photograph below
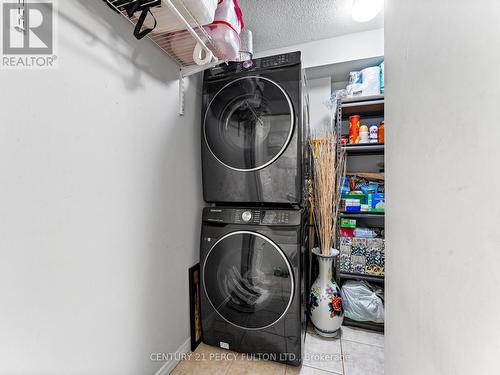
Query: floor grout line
364, 343
342, 355
229, 367
322, 369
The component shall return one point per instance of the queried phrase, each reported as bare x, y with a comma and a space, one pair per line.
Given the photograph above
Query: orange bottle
381, 132
354, 129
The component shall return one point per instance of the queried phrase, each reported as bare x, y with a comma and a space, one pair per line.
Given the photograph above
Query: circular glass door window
248, 123
248, 280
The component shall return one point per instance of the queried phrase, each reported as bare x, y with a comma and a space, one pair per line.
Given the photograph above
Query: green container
361, 197
347, 223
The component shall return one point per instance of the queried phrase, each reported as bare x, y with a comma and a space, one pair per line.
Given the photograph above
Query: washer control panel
252, 216
246, 216
276, 217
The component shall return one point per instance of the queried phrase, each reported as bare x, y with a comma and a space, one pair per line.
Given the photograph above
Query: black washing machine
253, 292
252, 131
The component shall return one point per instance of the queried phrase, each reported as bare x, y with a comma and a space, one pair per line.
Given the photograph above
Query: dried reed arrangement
329, 164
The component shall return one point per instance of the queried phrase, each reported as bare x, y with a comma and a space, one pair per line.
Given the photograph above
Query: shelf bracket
181, 94
188, 71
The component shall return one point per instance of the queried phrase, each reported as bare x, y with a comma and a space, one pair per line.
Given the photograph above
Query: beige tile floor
356, 352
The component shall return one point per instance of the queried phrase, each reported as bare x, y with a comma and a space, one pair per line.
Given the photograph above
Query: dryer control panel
255, 65
252, 216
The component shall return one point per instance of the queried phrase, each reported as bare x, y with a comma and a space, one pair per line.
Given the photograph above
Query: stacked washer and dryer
253, 242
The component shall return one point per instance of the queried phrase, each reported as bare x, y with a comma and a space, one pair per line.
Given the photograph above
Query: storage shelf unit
368, 107
364, 148
355, 276
378, 327
364, 105
362, 215
178, 45
183, 40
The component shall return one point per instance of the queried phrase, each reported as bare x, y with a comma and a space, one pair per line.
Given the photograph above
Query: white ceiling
280, 23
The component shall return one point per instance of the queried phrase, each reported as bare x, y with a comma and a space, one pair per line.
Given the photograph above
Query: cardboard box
376, 202
347, 223
345, 245
361, 197
352, 205
362, 255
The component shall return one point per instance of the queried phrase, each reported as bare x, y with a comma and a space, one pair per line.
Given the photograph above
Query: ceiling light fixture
366, 10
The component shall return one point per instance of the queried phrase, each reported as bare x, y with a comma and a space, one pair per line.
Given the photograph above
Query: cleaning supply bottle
373, 133
381, 132
363, 134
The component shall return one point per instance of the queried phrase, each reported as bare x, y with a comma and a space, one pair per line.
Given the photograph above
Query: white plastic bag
364, 83
371, 80
382, 77
224, 31
362, 301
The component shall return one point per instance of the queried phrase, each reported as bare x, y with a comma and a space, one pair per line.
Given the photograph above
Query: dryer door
249, 123
248, 280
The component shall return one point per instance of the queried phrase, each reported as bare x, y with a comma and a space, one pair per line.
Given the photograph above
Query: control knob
246, 216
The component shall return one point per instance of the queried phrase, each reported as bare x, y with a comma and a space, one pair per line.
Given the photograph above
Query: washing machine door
248, 280
249, 123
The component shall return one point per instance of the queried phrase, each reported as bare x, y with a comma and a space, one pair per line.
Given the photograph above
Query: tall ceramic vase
325, 303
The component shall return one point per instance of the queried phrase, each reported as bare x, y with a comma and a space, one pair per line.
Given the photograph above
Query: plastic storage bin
203, 12
224, 32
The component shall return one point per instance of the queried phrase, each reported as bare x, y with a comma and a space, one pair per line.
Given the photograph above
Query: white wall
319, 93
443, 243
100, 202
338, 49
